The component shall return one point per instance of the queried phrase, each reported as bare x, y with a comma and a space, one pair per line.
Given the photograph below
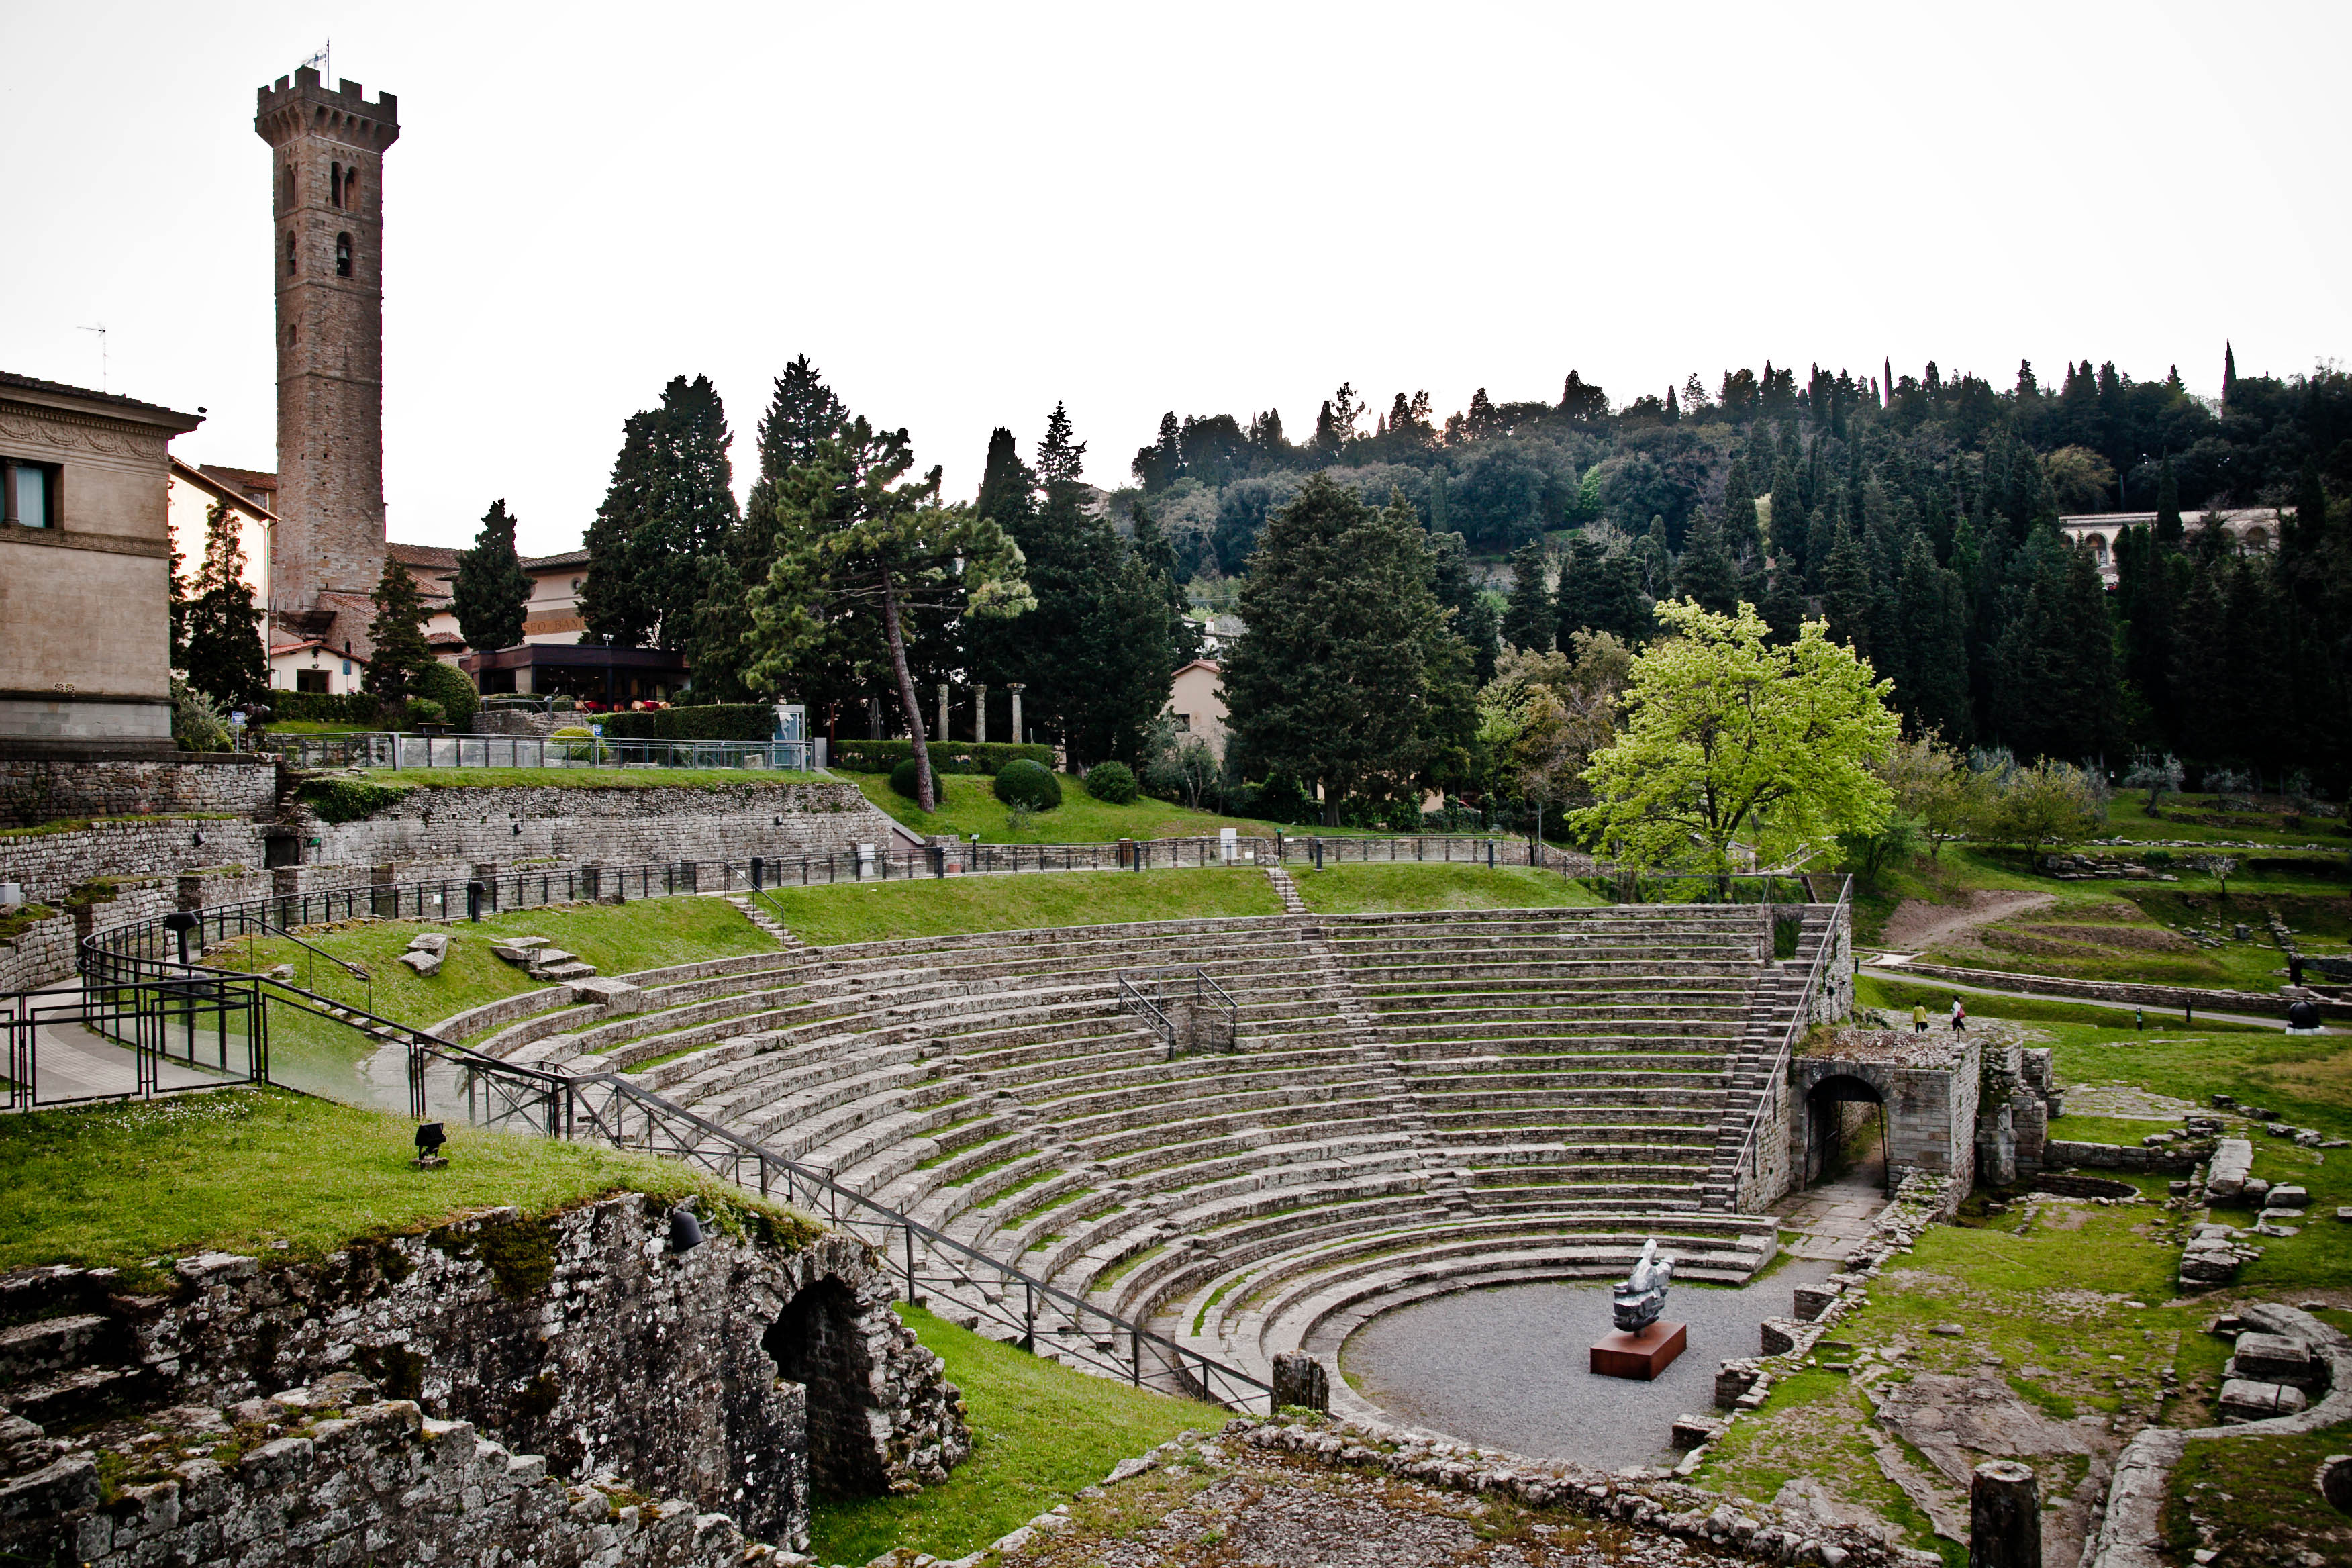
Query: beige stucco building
1196, 696
85, 567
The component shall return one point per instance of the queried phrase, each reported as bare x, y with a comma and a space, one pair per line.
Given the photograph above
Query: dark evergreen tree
220, 627
2170, 533
1162, 464
1930, 631
491, 587
397, 630
1347, 677
669, 509
1528, 613
1705, 571
1477, 620
1783, 607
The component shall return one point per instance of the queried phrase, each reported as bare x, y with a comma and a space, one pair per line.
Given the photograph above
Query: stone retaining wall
370, 1482
42, 952
2165, 996
47, 864
2122, 1156
613, 826
45, 789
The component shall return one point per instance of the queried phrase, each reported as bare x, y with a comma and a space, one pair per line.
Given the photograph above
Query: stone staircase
69, 1359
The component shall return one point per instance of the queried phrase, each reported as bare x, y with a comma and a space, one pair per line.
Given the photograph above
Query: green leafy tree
222, 653
1728, 738
669, 514
856, 539
1528, 614
2042, 807
397, 630
1347, 675
491, 587
1935, 789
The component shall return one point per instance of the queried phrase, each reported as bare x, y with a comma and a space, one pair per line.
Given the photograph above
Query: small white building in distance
1196, 698
2253, 528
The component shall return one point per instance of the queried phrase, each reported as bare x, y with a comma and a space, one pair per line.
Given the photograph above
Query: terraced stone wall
47, 864
48, 788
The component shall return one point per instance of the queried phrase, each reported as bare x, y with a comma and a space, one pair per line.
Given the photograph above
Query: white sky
962, 213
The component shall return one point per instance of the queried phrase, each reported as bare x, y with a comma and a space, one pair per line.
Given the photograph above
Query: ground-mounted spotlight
685, 1229
180, 923
429, 1140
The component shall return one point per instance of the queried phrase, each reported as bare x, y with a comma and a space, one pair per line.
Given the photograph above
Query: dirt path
1915, 927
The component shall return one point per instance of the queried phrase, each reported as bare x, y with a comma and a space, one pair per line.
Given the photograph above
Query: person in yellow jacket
1920, 1018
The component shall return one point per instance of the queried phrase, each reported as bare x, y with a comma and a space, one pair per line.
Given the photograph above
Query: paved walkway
1833, 1216
1508, 1367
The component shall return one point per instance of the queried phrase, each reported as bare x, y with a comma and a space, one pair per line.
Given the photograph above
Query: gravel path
1506, 1367
1916, 927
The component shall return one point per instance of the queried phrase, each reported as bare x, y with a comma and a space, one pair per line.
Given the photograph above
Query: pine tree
1741, 536
491, 587
857, 540
1846, 592
1476, 619
1705, 571
1348, 676
1932, 685
1528, 614
1061, 461
397, 631
221, 628
1162, 464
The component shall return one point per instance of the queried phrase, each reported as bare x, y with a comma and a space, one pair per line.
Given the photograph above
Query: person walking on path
1960, 1017
1920, 1018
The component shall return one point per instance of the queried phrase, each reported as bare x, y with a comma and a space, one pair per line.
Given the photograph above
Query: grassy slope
971, 807
1041, 1432
236, 1170
880, 910
2193, 818
616, 939
1357, 890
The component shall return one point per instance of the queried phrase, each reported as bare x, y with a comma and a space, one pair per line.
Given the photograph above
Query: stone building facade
326, 181
85, 569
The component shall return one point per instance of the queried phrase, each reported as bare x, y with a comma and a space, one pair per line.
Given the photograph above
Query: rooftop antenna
318, 62
101, 331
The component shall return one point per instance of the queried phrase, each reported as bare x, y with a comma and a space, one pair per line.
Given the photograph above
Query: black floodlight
180, 923
684, 1230
430, 1139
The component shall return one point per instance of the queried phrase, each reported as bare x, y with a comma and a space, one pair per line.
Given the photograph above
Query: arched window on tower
352, 187
292, 265
335, 183
342, 255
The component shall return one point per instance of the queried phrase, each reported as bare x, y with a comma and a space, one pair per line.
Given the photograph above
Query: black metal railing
138, 1041
1183, 1006
1744, 1162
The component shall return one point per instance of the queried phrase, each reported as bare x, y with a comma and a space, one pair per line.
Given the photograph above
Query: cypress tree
1476, 619
1741, 537
669, 509
1705, 571
221, 650
1846, 595
1528, 614
491, 587
1790, 535
2171, 533
1783, 608
397, 631
1932, 615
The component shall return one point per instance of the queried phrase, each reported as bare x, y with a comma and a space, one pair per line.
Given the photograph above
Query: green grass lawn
1870, 991
1041, 1433
877, 911
1361, 889
970, 807
2194, 818
646, 933
236, 1169
316, 727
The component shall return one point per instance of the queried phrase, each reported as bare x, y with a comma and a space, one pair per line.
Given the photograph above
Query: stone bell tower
326, 183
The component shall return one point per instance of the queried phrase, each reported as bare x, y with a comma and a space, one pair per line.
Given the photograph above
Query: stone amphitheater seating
1418, 1102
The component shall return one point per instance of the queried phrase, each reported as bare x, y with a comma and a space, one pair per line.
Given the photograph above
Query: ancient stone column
1300, 1381
980, 714
1014, 687
2004, 1516
941, 733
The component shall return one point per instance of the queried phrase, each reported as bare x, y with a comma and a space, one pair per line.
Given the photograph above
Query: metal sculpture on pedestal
1641, 1296
1644, 1344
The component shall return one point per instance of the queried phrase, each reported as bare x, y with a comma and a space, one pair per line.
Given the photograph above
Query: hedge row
325, 708
706, 722
947, 756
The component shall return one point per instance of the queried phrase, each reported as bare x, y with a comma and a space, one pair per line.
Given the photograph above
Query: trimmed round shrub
907, 778
1113, 783
1027, 784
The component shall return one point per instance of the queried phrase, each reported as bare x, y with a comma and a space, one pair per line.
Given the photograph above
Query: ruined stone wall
49, 864
583, 1338
35, 789
373, 1481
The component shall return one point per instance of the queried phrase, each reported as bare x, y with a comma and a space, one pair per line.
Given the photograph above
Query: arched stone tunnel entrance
816, 1344
1846, 1131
